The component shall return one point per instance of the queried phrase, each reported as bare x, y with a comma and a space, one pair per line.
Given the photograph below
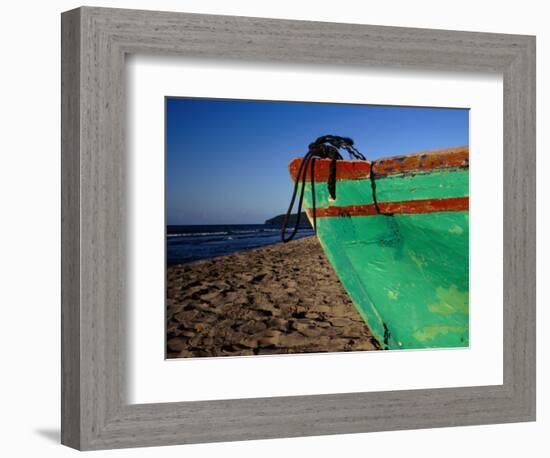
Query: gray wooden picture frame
95, 411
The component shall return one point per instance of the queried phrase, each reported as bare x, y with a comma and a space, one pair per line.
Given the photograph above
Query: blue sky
227, 160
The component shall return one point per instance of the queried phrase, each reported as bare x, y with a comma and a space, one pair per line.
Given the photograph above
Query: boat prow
397, 235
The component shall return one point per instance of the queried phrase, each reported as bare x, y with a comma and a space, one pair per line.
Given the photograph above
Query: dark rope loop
325, 147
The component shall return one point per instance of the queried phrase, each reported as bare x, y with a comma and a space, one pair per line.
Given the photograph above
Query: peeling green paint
392, 295
455, 230
451, 300
433, 331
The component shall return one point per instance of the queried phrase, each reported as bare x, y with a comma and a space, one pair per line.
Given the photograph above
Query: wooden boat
397, 235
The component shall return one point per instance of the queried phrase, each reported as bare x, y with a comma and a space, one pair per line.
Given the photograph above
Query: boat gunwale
455, 157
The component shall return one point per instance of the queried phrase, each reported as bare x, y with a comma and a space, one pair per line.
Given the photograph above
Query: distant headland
279, 219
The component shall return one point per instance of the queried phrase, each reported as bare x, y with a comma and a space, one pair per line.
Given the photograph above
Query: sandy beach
283, 298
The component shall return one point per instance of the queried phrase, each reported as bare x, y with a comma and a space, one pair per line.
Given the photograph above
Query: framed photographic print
369, 284
288, 228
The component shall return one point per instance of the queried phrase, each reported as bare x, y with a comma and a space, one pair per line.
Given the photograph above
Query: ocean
191, 243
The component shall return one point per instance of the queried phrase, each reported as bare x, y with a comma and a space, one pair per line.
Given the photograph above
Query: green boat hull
405, 265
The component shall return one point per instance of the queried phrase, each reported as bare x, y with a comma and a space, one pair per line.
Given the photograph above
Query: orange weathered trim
345, 170
404, 207
453, 157
357, 170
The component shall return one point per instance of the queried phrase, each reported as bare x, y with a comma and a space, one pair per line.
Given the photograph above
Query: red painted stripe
357, 170
453, 204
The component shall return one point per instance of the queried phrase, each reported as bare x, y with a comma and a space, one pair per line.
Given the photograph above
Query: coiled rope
325, 147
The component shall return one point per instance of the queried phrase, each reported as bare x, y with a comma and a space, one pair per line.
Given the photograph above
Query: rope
325, 147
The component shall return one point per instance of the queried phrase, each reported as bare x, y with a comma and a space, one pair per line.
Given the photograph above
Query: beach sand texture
280, 299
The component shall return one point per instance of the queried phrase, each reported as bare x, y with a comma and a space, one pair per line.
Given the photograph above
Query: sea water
191, 243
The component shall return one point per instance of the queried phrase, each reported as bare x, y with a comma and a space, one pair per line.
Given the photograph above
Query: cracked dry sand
279, 299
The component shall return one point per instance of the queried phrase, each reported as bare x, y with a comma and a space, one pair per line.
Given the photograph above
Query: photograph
301, 227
